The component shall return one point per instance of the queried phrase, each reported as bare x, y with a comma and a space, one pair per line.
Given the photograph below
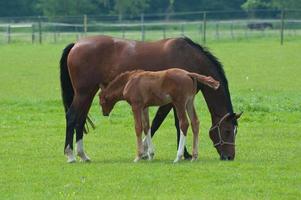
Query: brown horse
142, 89
95, 61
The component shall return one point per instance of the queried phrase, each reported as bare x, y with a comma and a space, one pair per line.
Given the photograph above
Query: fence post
32, 34
123, 32
217, 30
204, 26
182, 30
231, 30
282, 27
142, 27
40, 30
200, 32
164, 31
8, 33
85, 24
55, 30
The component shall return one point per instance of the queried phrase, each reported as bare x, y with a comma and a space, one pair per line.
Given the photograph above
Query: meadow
265, 83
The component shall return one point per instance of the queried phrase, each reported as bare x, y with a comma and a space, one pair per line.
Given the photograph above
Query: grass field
264, 82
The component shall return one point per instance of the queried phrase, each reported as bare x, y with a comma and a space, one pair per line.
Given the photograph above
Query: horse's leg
148, 149
71, 120
86, 101
187, 155
195, 128
137, 112
183, 121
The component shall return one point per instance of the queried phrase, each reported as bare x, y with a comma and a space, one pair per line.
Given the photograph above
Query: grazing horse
142, 89
91, 63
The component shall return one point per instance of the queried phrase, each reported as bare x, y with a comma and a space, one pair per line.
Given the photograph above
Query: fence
202, 26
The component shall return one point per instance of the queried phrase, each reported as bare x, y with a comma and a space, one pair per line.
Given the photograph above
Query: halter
217, 125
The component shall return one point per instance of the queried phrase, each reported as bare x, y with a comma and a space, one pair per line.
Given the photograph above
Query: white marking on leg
145, 148
150, 151
80, 151
70, 156
181, 147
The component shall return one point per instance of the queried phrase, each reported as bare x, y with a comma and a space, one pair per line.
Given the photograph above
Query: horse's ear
237, 116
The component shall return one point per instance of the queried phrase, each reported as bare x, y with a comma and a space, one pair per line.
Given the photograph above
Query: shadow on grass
111, 161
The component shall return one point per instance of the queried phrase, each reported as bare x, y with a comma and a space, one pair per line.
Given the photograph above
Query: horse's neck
217, 103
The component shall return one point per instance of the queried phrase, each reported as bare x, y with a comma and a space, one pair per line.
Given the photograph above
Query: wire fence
202, 26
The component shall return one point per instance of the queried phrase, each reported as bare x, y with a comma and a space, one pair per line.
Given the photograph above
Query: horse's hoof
137, 159
176, 160
86, 160
150, 157
144, 156
187, 156
71, 160
83, 157
193, 159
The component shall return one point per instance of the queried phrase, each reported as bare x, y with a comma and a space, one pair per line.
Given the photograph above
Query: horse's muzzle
226, 157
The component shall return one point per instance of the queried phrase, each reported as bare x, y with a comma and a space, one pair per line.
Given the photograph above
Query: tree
18, 8
66, 7
127, 7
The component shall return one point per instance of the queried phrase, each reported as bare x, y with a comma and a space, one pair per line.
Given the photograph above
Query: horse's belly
158, 100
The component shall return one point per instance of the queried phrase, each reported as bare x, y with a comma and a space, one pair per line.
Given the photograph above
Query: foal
142, 89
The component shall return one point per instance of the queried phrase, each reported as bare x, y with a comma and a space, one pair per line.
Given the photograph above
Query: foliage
132, 7
271, 4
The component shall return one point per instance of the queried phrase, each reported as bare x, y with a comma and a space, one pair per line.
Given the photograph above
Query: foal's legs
159, 118
187, 155
195, 128
181, 113
148, 149
137, 112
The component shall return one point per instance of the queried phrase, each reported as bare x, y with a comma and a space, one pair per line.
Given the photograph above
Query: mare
142, 89
92, 62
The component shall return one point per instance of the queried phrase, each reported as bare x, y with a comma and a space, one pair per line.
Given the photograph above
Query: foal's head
223, 135
113, 93
107, 103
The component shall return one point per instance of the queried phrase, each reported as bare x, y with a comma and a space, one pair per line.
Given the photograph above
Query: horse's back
98, 60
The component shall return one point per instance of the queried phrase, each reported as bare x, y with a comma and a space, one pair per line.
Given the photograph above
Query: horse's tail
66, 85
207, 80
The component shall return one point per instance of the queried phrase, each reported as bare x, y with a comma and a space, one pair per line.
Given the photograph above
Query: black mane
219, 67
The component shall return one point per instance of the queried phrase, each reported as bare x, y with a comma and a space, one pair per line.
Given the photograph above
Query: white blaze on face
235, 130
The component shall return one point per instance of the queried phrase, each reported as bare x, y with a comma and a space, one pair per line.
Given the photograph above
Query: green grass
264, 81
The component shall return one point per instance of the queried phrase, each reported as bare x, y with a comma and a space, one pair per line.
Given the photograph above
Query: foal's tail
207, 80
66, 85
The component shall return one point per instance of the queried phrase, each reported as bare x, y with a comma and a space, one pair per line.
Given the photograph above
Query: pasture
265, 83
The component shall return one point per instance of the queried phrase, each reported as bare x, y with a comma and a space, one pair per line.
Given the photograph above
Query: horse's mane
220, 70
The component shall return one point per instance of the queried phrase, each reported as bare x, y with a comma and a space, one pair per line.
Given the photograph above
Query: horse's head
223, 135
106, 102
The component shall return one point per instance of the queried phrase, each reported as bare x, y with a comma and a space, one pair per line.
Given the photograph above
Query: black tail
66, 85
